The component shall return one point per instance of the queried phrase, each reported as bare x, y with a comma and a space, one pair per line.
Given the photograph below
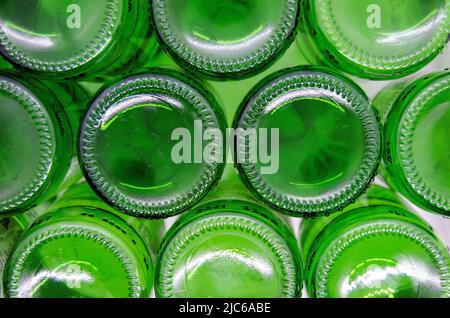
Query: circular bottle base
226, 253
224, 39
328, 146
79, 252
28, 144
134, 139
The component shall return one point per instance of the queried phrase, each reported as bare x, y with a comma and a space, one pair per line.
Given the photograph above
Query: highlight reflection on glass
227, 249
329, 143
376, 39
83, 38
374, 251
79, 252
225, 38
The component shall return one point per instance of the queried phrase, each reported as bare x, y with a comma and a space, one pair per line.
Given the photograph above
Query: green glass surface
417, 130
329, 140
377, 251
224, 39
374, 195
126, 144
378, 39
322, 162
64, 38
4, 63
228, 249
11, 227
82, 195
36, 137
79, 251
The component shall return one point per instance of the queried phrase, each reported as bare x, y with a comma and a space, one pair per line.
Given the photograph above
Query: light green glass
127, 144
225, 39
36, 137
329, 142
377, 39
83, 38
81, 194
79, 249
378, 250
11, 227
230, 93
228, 249
416, 118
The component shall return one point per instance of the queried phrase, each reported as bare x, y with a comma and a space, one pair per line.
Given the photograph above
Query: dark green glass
83, 38
416, 118
4, 65
228, 248
127, 148
36, 137
329, 141
79, 249
375, 251
225, 39
377, 39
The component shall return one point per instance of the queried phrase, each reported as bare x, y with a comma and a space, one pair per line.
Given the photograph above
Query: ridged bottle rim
214, 66
393, 64
180, 240
64, 232
377, 228
38, 114
299, 78
419, 187
108, 191
86, 54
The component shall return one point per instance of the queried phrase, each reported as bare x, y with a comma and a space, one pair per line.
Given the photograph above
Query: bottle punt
79, 252
36, 142
65, 38
228, 249
225, 39
377, 39
329, 141
417, 129
377, 251
126, 144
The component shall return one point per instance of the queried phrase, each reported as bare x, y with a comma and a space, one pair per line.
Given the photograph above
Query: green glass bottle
11, 227
81, 194
230, 93
377, 39
378, 250
225, 39
83, 38
79, 249
318, 141
143, 144
228, 248
416, 160
36, 136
